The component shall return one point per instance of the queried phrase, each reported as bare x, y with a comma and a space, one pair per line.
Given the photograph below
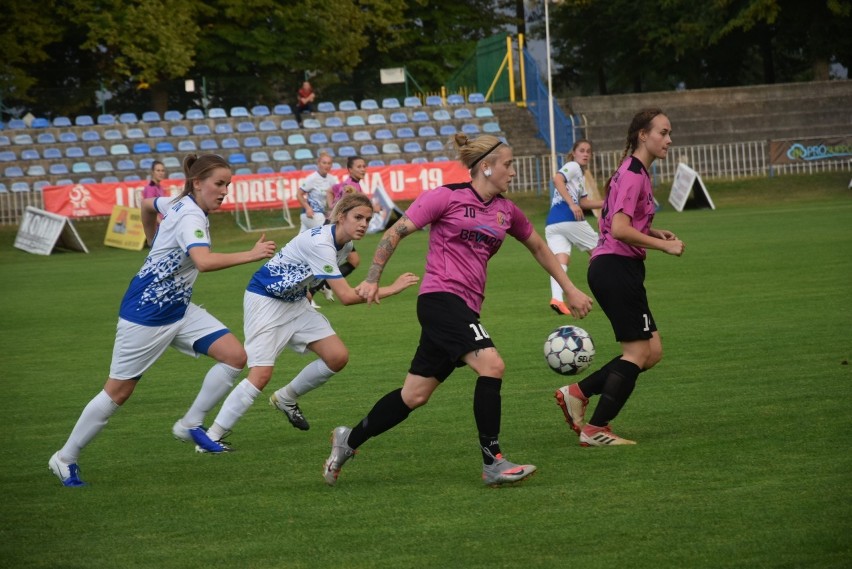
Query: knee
494, 368
413, 400
237, 359
337, 361
654, 357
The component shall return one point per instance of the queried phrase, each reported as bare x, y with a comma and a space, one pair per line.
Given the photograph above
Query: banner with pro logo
798, 151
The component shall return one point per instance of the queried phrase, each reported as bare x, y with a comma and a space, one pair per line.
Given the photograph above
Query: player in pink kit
617, 279
468, 224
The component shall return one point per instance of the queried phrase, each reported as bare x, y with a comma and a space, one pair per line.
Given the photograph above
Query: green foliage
741, 460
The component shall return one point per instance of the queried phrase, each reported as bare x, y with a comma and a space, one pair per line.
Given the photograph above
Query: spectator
154, 189
304, 101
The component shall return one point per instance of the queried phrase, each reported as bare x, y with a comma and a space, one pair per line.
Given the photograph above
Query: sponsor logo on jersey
199, 233
328, 269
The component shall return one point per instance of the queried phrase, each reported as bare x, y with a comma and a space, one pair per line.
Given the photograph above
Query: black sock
619, 384
486, 412
388, 412
594, 383
346, 268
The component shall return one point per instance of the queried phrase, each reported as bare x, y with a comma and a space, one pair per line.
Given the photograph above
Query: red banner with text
257, 191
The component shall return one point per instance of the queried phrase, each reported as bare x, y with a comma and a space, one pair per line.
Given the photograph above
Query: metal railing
725, 161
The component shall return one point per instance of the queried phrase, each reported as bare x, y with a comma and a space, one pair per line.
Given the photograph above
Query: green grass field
742, 458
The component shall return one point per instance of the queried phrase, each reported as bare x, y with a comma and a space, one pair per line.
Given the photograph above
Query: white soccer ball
569, 350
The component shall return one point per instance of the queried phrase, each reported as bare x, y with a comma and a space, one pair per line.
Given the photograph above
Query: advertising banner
124, 229
798, 151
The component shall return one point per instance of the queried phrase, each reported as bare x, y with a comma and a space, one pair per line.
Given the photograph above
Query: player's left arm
578, 301
369, 289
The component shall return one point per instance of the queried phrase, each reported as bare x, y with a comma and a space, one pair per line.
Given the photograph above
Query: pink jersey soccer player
468, 224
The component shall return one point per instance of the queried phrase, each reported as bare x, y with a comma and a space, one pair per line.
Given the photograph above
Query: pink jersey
630, 192
345, 187
465, 232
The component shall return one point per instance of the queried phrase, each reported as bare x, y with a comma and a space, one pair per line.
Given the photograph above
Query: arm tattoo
385, 249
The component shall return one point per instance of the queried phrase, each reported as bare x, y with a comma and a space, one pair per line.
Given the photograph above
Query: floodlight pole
549, 89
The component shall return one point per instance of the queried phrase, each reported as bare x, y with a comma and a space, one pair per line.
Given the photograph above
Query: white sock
216, 384
555, 289
312, 376
234, 407
91, 422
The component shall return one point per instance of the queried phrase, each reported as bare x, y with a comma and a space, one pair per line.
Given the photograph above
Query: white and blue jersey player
566, 225
312, 195
157, 312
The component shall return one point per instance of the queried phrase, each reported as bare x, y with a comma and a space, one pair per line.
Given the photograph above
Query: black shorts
448, 331
618, 283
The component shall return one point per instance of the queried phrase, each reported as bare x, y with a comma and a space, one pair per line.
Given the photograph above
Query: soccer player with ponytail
617, 278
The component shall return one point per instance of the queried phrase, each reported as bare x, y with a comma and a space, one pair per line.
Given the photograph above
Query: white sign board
380, 220
687, 181
41, 232
392, 75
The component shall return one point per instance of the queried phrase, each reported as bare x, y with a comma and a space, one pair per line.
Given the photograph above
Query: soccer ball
569, 350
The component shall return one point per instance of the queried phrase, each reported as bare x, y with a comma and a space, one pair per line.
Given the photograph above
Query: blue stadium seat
346, 151
369, 150
398, 118
404, 132
52, 154
132, 178
470, 128
141, 148
118, 150
266, 170
3, 189
164, 146
13, 172
150, 116
447, 130
440, 159
390, 103
462, 114
339, 136
134, 133
289, 124
318, 138
30, 154
383, 134
4, 140
144, 163
303, 154
61, 121
483, 112
239, 112
40, 122
23, 139
267, 125
109, 179
103, 166
388, 148
296, 139
434, 101
81, 168
347, 106
426, 130
237, 158
200, 129
74, 152
455, 99
177, 176
282, 109
40, 185
311, 123
325, 107
208, 144
7, 156
310, 168
274, 140
20, 187
491, 127
64, 182
361, 135
411, 102
88, 180
16, 124
36, 170
369, 105
179, 130
194, 114
68, 137
45, 138
172, 116
186, 146
355, 120
287, 168
376, 162
259, 156
223, 128
169, 162
260, 111
128, 118
90, 136
57, 169
157, 132
112, 134
217, 113
252, 142
104, 120
412, 147
125, 165
230, 143
84, 120
476, 98
95, 151
397, 162
281, 155
376, 118
333, 122
246, 126
441, 115
420, 116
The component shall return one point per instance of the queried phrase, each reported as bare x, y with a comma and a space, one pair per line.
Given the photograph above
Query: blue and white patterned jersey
160, 292
575, 183
315, 188
308, 258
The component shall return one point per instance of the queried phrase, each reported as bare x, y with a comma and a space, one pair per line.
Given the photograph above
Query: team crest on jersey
501, 219
328, 268
199, 233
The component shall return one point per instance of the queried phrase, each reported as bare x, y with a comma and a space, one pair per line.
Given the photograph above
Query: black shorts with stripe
618, 283
449, 329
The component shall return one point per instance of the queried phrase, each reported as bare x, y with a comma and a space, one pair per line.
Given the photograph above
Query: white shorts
309, 223
561, 235
270, 325
137, 347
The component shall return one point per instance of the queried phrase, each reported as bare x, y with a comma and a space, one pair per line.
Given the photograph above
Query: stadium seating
57, 169
67, 137
383, 134
95, 151
208, 144
339, 136
223, 128
88, 180
369, 105
462, 114
217, 113
150, 116
325, 107
45, 138
90, 136
252, 142
281, 155
376, 118
289, 124
61, 122
311, 123
411, 102
398, 118
388, 148
52, 154
29, 154
131, 178
168, 162
259, 156
134, 133
20, 187
118, 150
440, 159
4, 140
186, 146
103, 166
491, 127
112, 134
200, 129
239, 112
347, 106
144, 164
194, 114
36, 170
419, 160
157, 132
310, 168
375, 162
355, 120
434, 101
483, 112
295, 139
81, 168
455, 99
126, 164
179, 130
287, 168
266, 170
109, 179
361, 135
74, 152
470, 128
104, 120
128, 118
16, 124
318, 138
404, 132
441, 115
260, 111
40, 185
346, 151
23, 139
303, 154
246, 126
274, 140
13, 172
172, 116
333, 122
369, 150
390, 103
426, 130
84, 120
476, 98
7, 156
447, 130
237, 158
397, 162
282, 109
267, 125
230, 143
164, 146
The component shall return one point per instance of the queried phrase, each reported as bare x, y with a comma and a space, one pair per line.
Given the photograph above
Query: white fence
726, 161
